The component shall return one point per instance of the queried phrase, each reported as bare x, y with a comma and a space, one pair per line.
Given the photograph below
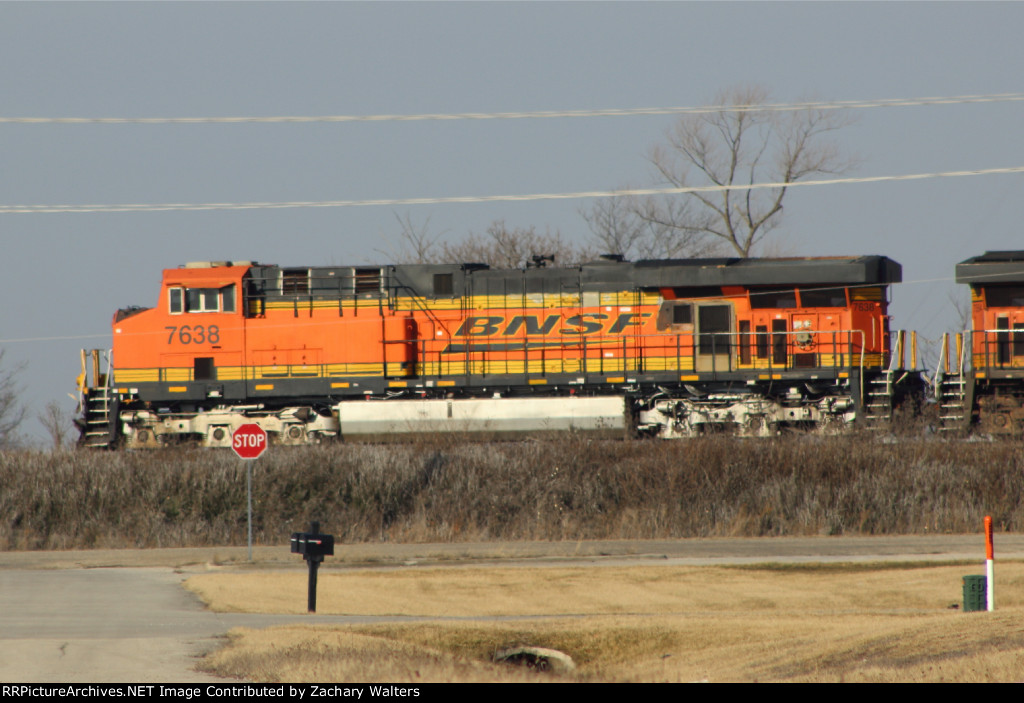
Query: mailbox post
313, 547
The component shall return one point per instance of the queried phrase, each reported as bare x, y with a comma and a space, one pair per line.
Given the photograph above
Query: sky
63, 275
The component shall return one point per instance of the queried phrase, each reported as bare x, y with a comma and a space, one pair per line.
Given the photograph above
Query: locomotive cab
188, 350
981, 380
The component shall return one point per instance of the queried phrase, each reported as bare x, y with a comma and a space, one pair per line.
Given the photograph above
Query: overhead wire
161, 207
538, 114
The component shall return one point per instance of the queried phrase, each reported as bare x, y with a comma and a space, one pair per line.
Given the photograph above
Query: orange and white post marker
990, 577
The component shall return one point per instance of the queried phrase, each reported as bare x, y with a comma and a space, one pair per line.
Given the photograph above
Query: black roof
601, 275
606, 275
992, 267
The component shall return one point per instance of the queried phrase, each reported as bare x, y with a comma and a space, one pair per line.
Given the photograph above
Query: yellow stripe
873, 293
264, 386
136, 375
230, 373
177, 389
355, 369
538, 381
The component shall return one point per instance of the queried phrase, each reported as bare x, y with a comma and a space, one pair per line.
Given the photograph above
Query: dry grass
849, 623
573, 489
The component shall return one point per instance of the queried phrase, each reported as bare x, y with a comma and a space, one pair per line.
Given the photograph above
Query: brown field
576, 488
829, 623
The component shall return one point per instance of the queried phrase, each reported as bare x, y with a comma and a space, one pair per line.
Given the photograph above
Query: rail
691, 356
997, 350
952, 364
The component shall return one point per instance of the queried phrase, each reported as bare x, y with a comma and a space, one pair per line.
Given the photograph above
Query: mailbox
312, 546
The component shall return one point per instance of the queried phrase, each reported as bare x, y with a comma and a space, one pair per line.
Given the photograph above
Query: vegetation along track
574, 488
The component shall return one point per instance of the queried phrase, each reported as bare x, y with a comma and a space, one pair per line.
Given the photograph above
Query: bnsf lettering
627, 319
479, 326
531, 326
581, 322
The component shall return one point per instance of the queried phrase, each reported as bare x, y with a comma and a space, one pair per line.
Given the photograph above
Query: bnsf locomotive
667, 348
980, 379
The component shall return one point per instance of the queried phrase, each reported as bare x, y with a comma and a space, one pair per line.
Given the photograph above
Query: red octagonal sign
249, 441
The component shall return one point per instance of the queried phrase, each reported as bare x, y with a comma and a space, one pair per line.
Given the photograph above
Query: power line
180, 207
543, 114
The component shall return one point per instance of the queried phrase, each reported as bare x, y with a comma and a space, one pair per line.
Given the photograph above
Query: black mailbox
312, 546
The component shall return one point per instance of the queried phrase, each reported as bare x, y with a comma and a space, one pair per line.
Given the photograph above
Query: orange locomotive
980, 376
666, 348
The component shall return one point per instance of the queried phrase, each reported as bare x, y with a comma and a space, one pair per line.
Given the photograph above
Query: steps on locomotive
878, 401
951, 398
98, 426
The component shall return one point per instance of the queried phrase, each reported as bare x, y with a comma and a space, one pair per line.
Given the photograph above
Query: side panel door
714, 337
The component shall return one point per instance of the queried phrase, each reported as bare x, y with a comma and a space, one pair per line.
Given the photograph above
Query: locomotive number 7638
193, 334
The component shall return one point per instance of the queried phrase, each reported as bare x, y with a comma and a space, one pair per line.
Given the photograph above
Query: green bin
975, 593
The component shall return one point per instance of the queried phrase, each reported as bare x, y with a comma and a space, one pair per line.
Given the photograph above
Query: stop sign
249, 441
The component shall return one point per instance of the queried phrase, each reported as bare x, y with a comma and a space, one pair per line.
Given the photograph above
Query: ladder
951, 387
97, 403
98, 429
951, 395
879, 391
878, 400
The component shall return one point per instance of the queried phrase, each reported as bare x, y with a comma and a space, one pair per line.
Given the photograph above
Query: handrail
629, 351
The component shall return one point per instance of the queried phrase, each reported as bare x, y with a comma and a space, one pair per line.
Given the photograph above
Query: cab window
201, 299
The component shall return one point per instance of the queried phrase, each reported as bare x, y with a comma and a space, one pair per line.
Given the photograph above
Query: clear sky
64, 274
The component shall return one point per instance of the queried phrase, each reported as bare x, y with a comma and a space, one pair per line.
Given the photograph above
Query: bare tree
503, 247
57, 423
414, 244
11, 410
500, 246
960, 303
742, 144
634, 228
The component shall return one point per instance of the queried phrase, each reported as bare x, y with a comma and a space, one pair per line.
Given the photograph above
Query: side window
176, 306
682, 314
202, 299
227, 298
673, 314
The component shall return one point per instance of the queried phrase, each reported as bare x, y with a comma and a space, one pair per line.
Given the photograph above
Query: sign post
990, 576
249, 442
